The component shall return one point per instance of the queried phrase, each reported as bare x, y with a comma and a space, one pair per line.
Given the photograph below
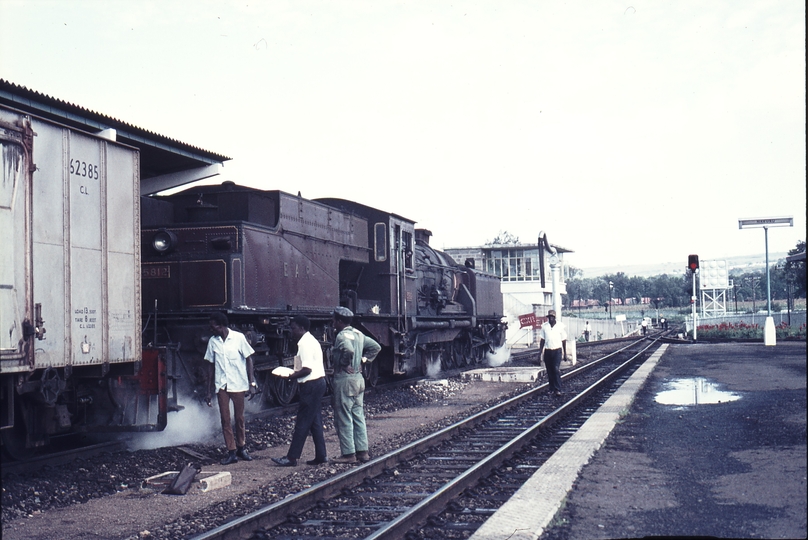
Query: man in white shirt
553, 342
310, 375
230, 373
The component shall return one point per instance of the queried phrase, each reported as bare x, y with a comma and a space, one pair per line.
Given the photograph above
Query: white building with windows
526, 283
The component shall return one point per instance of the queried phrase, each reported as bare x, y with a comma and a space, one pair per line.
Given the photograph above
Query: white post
769, 332
554, 270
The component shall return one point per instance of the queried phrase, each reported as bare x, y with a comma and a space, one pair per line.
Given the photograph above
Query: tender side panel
194, 273
278, 274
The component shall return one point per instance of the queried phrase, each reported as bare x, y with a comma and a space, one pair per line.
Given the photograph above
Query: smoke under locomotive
265, 256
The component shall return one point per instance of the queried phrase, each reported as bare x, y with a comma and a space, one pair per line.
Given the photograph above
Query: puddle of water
696, 391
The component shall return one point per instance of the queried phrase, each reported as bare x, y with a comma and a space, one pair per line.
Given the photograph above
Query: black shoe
363, 457
285, 461
317, 461
229, 459
241, 453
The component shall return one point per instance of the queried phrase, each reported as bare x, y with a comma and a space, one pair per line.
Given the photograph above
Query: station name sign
531, 320
766, 222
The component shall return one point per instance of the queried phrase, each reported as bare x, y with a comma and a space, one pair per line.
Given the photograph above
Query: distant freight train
105, 295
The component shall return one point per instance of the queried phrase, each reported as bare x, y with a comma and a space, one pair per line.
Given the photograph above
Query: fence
795, 318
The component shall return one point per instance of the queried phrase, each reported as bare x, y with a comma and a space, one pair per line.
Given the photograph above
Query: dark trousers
224, 397
552, 361
309, 420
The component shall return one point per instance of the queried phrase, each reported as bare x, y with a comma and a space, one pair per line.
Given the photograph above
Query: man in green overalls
351, 349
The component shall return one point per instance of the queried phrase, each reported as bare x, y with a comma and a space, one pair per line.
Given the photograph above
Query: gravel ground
108, 492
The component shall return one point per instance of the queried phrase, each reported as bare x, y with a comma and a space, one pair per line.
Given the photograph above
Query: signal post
693, 266
769, 333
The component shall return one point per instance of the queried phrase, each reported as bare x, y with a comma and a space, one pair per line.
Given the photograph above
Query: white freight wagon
70, 345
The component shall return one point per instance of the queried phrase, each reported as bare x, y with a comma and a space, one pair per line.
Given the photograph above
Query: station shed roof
164, 162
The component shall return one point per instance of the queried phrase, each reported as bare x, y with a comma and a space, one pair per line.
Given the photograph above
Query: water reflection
696, 391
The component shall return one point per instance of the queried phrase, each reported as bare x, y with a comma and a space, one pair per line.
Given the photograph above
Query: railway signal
693, 266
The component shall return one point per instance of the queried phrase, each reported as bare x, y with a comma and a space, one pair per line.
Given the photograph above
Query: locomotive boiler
265, 256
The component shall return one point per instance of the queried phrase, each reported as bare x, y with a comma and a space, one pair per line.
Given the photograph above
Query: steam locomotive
106, 290
265, 256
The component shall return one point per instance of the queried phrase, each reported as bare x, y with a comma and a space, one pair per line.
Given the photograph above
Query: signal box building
526, 286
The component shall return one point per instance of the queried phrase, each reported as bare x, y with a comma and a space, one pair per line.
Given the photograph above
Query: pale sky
629, 132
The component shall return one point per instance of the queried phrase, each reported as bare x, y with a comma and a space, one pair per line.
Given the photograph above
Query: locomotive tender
105, 290
265, 256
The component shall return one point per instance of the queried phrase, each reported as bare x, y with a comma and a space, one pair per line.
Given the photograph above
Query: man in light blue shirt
231, 375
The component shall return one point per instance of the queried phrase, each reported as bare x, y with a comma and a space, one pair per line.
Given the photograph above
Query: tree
578, 289
574, 272
795, 271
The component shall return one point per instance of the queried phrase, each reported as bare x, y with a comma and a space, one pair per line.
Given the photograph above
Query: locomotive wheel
478, 354
284, 389
461, 348
267, 397
370, 370
447, 358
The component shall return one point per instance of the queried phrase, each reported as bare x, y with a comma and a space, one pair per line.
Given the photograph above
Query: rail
479, 431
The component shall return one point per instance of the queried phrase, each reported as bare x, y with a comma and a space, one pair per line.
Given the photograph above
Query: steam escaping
433, 367
196, 423
500, 356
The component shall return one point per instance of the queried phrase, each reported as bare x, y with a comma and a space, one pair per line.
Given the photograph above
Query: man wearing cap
351, 349
553, 342
310, 375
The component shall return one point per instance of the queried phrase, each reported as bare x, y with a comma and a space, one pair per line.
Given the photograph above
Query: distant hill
743, 263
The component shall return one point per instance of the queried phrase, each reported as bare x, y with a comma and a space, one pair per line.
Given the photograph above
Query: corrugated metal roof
159, 154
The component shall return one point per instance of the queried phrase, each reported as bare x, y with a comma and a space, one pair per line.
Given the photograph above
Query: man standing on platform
553, 342
230, 373
351, 349
310, 375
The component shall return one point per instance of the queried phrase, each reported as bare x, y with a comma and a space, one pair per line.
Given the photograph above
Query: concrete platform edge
532, 508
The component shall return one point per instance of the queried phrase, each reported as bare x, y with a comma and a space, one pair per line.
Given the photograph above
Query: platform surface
711, 441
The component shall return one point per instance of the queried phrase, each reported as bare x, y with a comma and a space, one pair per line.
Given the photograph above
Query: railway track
435, 481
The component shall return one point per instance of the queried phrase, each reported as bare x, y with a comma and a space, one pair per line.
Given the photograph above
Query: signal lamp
693, 262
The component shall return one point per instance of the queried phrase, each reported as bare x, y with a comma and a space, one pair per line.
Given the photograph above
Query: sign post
769, 333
